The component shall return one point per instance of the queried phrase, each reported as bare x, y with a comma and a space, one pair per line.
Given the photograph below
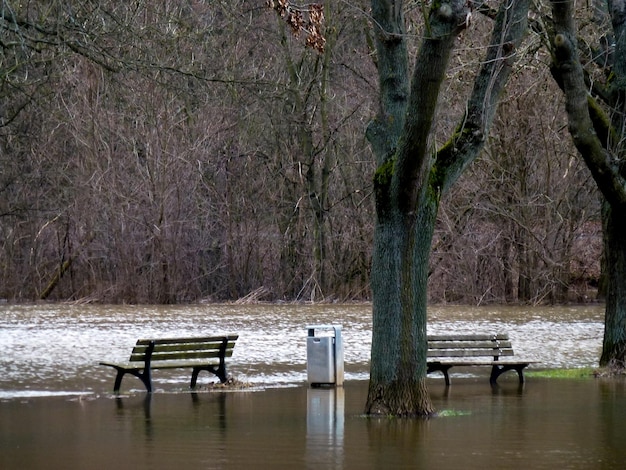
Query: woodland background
188, 150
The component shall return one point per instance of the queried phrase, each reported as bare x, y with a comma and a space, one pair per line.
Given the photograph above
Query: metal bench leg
443, 368
219, 371
194, 377
145, 377
446, 375
497, 371
118, 380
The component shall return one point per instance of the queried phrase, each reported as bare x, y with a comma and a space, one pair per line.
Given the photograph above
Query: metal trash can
324, 355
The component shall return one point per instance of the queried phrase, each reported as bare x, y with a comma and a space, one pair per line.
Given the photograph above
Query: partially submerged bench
495, 350
207, 353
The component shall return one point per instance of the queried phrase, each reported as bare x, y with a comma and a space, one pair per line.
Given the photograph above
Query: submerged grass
447, 413
579, 373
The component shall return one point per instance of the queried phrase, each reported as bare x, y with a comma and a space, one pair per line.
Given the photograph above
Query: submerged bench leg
443, 368
498, 370
220, 371
145, 376
118, 380
194, 377
446, 375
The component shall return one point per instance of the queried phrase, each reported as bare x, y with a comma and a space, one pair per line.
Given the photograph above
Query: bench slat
205, 339
470, 353
469, 344
188, 346
176, 364
172, 356
470, 337
463, 363
164, 348
183, 348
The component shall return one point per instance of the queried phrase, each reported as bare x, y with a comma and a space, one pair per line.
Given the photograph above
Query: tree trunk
404, 228
399, 287
603, 153
614, 344
409, 182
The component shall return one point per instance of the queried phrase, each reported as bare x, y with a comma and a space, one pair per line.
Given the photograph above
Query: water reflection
325, 427
129, 409
130, 416
400, 443
518, 390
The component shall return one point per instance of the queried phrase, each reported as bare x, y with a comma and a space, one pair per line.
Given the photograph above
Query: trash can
324, 350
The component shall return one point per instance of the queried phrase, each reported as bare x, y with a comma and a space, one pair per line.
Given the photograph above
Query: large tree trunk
405, 222
409, 182
602, 148
614, 210
614, 344
399, 288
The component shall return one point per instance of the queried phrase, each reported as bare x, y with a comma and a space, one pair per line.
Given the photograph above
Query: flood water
57, 410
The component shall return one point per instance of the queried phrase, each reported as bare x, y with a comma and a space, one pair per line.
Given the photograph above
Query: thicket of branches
192, 150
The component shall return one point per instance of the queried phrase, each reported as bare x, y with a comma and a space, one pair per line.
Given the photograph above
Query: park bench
207, 353
495, 350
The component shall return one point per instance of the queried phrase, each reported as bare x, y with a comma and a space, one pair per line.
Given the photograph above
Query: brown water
56, 409
573, 424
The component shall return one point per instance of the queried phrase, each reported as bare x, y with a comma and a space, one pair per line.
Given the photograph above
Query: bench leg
443, 368
220, 371
194, 377
118, 380
497, 371
446, 375
145, 377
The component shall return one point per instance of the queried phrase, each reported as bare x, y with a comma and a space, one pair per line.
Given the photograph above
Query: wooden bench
495, 350
205, 353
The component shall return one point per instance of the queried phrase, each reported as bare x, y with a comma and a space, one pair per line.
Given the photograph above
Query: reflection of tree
612, 416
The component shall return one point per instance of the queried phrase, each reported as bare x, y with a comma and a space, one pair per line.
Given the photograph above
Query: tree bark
614, 235
603, 156
409, 182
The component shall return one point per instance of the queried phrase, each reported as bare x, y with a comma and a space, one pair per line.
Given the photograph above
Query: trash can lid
323, 327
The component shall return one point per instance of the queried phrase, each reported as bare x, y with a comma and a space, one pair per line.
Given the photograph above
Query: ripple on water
57, 347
